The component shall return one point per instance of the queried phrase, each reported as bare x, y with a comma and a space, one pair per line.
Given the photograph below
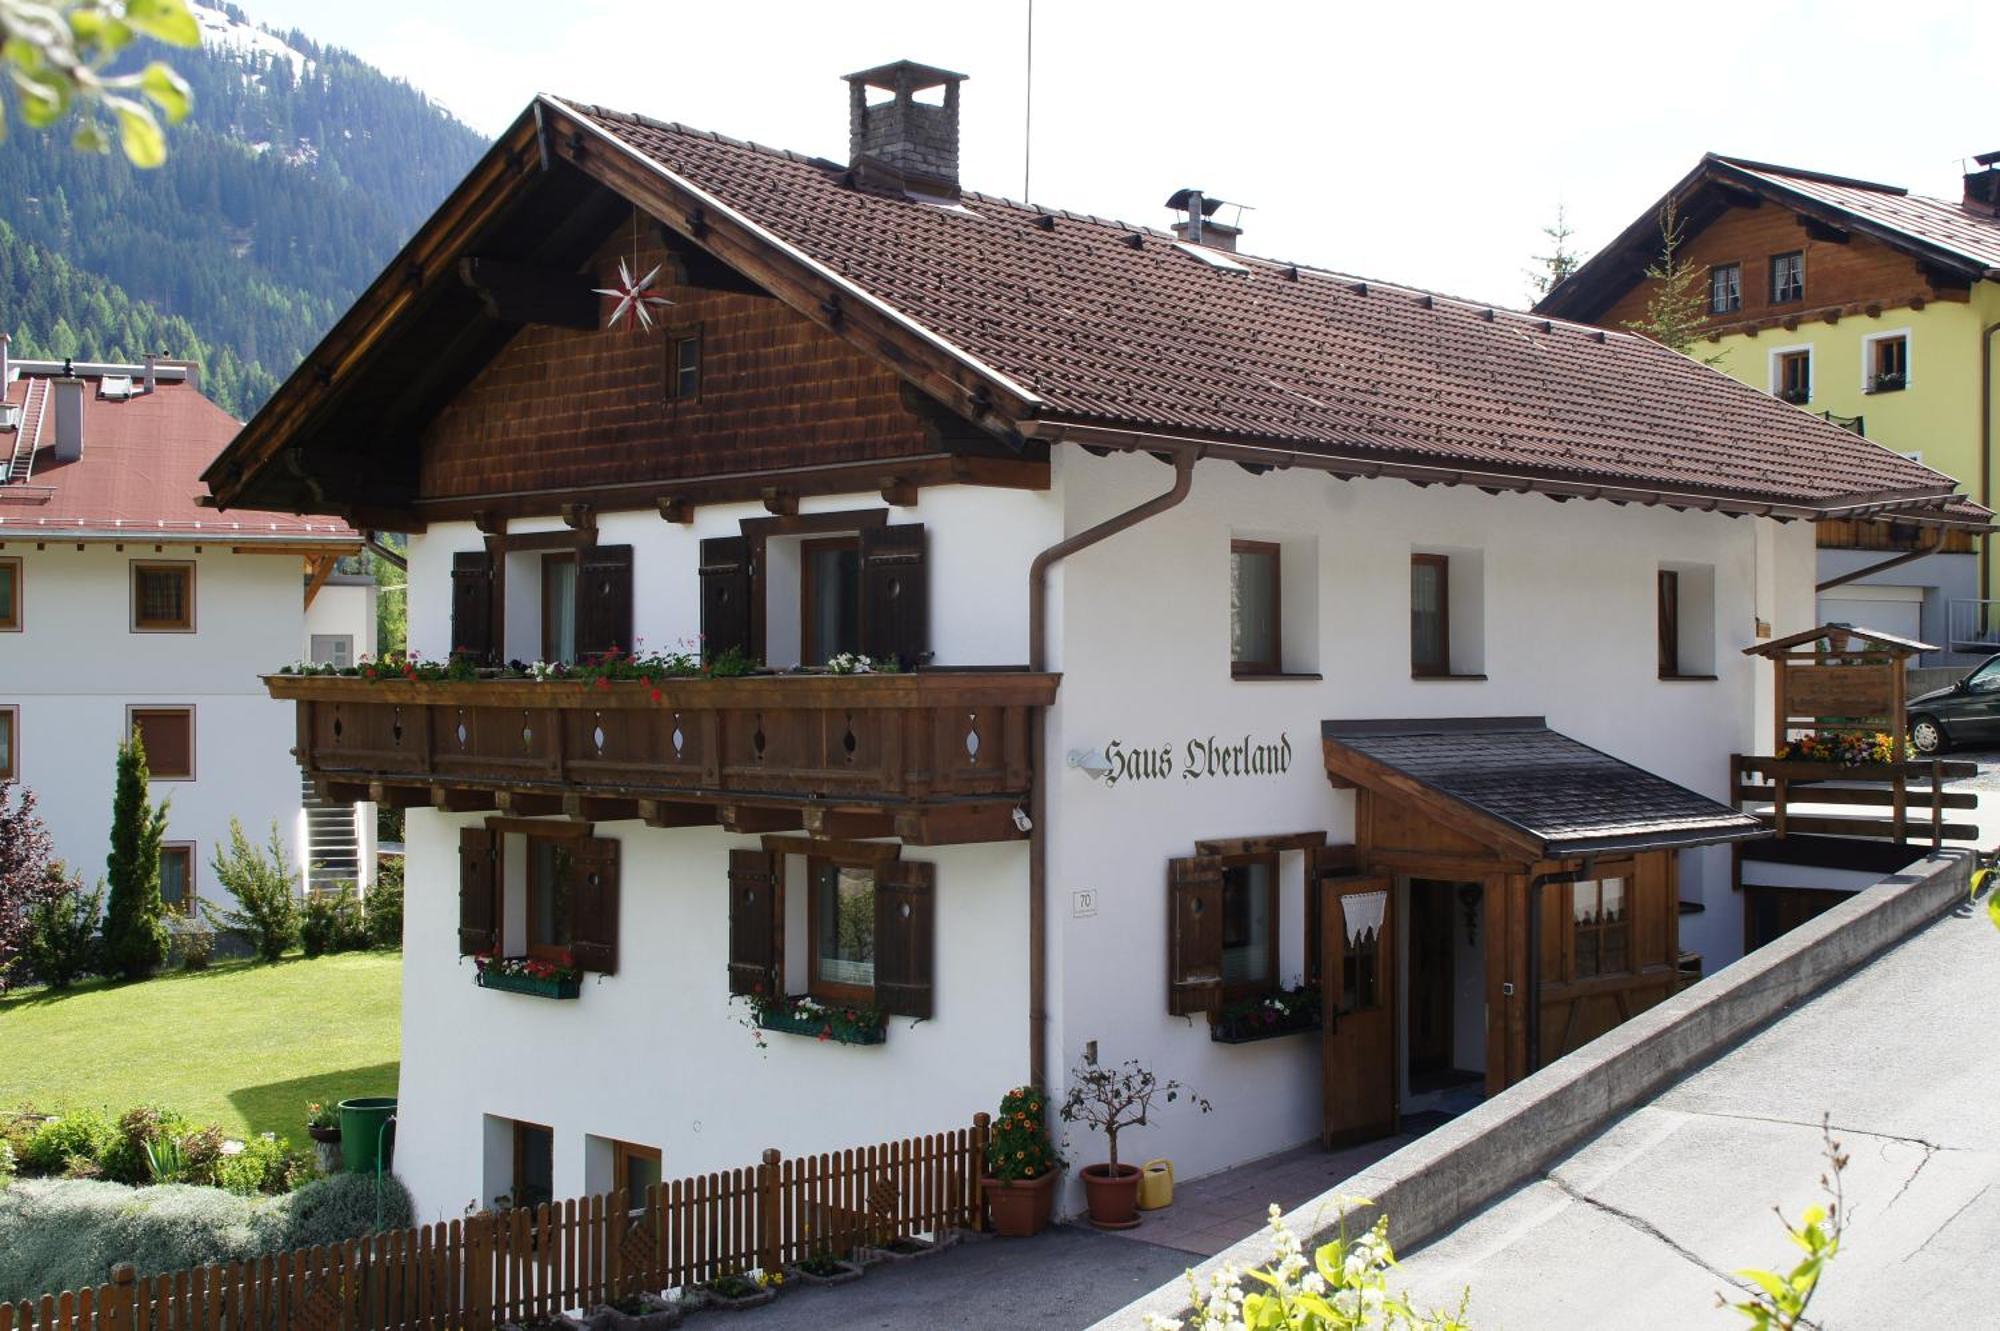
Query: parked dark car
1966, 714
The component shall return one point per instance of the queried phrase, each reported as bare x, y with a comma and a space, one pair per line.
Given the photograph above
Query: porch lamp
1091, 762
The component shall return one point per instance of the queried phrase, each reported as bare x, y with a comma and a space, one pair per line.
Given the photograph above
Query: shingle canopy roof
1114, 324
1569, 797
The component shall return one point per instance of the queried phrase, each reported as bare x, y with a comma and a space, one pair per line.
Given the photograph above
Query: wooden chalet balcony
934, 758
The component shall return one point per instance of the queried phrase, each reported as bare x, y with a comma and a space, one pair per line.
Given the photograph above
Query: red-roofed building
1320, 690
126, 603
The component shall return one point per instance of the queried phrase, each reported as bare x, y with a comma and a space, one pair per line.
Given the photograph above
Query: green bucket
367, 1131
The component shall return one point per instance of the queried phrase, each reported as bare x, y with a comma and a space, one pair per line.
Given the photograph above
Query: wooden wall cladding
561, 408
1836, 274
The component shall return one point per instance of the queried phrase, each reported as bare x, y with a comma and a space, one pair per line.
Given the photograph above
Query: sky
1424, 144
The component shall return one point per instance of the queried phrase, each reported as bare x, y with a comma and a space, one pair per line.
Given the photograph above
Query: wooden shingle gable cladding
566, 409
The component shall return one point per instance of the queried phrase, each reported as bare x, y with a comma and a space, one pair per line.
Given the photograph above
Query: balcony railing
931, 757
1973, 626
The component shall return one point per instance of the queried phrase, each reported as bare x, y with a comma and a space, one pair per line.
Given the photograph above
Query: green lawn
242, 1044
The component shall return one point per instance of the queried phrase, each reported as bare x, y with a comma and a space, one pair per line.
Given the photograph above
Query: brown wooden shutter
168, 736
905, 933
756, 924
725, 595
895, 595
478, 891
603, 601
594, 905
1670, 623
472, 605
1194, 935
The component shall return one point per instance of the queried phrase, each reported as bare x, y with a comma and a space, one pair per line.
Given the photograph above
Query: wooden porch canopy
1528, 792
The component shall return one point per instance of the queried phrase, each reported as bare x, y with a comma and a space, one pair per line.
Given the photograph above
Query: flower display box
820, 1026
1289, 1012
569, 987
1252, 1029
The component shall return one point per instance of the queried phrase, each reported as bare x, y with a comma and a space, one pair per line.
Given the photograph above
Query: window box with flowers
1267, 1016
801, 1014
528, 975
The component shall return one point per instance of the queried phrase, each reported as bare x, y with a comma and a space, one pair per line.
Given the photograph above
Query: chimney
904, 145
1982, 187
6, 363
69, 416
152, 370
1198, 224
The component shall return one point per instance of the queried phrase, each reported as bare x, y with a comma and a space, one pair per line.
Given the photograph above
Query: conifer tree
135, 941
1677, 304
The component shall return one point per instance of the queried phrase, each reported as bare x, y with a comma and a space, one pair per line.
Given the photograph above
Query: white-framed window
1885, 361
1792, 374
1725, 288
333, 649
1447, 613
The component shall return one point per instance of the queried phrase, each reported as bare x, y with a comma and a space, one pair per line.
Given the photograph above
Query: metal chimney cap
920, 76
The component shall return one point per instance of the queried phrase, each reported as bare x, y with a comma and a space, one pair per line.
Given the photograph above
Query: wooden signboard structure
1840, 681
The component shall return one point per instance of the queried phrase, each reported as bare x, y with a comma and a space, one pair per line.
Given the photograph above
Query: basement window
177, 877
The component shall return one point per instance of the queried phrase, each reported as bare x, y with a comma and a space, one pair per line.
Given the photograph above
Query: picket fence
522, 1265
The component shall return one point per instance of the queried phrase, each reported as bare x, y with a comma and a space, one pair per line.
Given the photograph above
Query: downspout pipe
1986, 445
1044, 773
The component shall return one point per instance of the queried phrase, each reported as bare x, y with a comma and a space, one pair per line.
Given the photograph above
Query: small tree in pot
1110, 1100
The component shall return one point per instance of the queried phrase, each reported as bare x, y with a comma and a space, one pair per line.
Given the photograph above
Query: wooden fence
491, 1268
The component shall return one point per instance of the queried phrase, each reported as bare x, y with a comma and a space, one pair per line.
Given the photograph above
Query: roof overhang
1529, 792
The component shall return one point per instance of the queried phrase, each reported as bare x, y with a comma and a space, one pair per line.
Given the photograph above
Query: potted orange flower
1021, 1166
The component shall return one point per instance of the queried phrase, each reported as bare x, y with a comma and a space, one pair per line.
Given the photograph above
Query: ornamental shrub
86, 1134
383, 906
344, 1206
62, 930
265, 889
141, 1126
1020, 1147
26, 849
264, 1165
135, 941
332, 922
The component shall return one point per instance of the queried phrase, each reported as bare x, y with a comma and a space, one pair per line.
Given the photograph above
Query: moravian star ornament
633, 297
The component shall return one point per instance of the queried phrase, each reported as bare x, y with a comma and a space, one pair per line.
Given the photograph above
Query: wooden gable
568, 409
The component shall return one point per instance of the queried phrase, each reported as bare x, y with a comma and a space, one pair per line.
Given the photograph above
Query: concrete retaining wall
1922, 679
1437, 1181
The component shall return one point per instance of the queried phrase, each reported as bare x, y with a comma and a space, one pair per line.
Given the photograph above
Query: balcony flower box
528, 975
1267, 1016
807, 1016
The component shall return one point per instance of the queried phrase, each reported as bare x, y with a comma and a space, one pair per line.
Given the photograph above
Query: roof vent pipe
152, 370
1198, 224
69, 418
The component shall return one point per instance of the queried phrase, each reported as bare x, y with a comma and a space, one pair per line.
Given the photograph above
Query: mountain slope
300, 172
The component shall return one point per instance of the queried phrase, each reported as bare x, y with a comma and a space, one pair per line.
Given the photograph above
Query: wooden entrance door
1358, 1033
1432, 996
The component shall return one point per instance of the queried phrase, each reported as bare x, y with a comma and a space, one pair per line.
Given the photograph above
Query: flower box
1250, 1031
907, 1248
737, 1293
1267, 1016
566, 987
639, 1312
819, 1025
825, 1271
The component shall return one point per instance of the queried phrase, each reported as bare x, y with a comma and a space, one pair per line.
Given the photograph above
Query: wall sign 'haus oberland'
886, 416
1197, 758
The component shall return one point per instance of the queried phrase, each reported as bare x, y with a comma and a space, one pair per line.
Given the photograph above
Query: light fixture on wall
1470, 896
1091, 762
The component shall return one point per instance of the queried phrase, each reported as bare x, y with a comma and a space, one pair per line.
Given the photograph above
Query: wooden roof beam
521, 293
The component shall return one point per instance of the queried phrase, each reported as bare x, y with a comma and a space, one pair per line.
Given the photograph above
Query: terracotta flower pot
1021, 1207
1113, 1194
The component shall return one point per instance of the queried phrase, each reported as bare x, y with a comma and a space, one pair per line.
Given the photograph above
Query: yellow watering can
1156, 1184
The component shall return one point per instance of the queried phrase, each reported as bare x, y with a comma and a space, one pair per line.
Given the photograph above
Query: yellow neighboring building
1869, 305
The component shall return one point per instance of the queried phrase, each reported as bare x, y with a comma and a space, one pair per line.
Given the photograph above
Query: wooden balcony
934, 758
1885, 805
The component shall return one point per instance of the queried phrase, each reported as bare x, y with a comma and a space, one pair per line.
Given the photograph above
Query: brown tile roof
1116, 324
1946, 224
1559, 794
140, 470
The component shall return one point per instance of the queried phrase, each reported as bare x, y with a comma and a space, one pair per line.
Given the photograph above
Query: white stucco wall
344, 606
76, 666
1565, 622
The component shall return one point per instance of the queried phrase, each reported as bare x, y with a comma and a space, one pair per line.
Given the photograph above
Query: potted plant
1021, 1165
323, 1126
733, 1291
1111, 1100
636, 1312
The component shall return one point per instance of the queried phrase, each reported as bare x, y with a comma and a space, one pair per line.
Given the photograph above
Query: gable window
1254, 608
1601, 928
177, 877
1886, 363
1430, 615
559, 608
1788, 277
829, 599
684, 367
162, 598
10, 744
1249, 924
1791, 375
1725, 288
168, 736
10, 595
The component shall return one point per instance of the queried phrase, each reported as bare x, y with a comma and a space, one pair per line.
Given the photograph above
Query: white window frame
1868, 342
1812, 372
